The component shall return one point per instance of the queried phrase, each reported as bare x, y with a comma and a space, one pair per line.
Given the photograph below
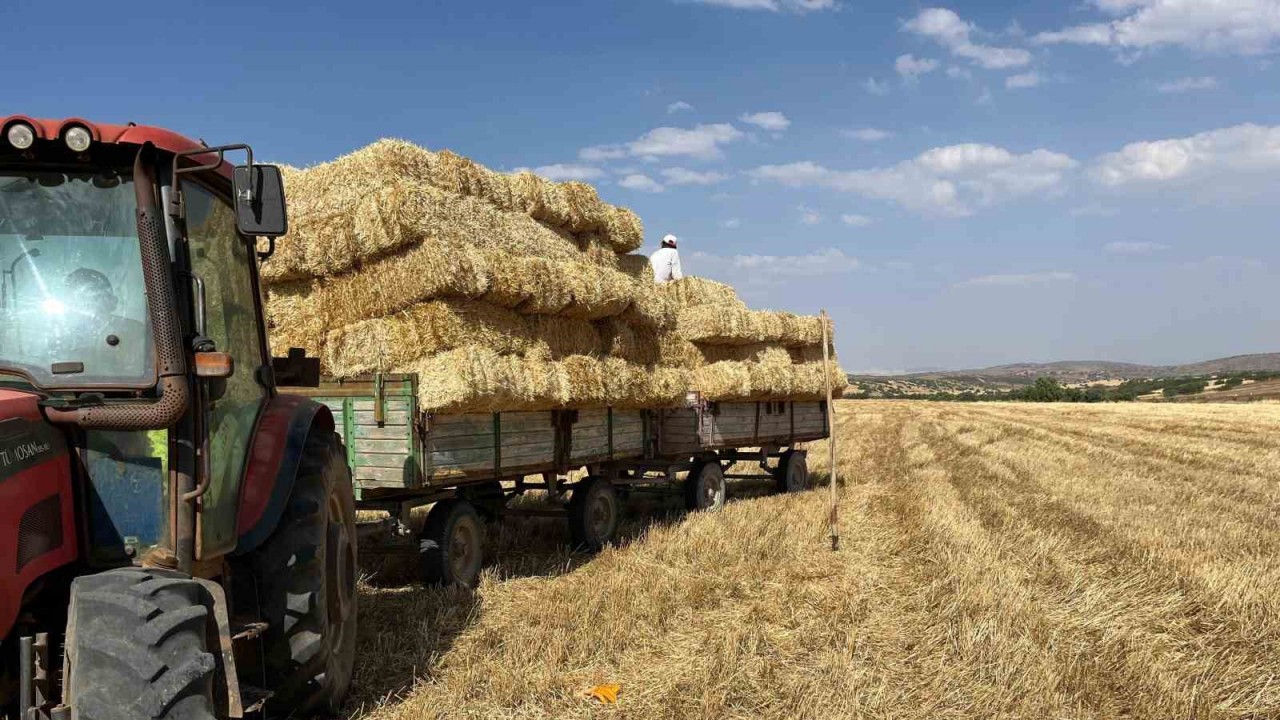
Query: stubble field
997, 560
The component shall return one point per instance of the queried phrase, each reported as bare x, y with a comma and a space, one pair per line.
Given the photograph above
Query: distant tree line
1048, 389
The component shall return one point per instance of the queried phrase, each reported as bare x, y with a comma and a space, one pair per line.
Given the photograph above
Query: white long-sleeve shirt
666, 265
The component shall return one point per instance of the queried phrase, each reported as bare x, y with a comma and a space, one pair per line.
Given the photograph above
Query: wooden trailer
468, 466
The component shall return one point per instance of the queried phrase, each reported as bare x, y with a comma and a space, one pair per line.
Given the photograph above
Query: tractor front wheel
306, 576
136, 647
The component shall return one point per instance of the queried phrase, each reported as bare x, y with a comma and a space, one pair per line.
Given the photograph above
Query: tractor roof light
21, 135
78, 138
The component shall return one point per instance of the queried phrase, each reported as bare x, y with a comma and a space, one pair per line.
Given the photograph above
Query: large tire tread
306, 674
136, 647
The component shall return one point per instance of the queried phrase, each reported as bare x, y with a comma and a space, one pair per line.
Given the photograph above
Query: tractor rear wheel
136, 647
306, 577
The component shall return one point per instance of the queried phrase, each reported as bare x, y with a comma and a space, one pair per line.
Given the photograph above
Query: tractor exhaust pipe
171, 366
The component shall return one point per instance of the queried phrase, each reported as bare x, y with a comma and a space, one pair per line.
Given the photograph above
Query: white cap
669, 240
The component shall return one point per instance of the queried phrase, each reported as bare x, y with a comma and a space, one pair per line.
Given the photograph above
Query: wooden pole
834, 519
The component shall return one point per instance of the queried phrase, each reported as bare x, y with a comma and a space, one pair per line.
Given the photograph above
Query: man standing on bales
666, 262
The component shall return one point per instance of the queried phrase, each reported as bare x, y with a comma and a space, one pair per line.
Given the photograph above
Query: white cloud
682, 176
701, 141
868, 134
1225, 154
1244, 27
1024, 80
773, 121
561, 172
830, 261
679, 106
958, 73
875, 87
643, 183
601, 153
1133, 247
731, 223
855, 220
948, 30
948, 180
1024, 280
774, 5
809, 216
1187, 84
910, 66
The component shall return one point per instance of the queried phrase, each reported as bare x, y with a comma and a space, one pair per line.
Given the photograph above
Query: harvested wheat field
997, 560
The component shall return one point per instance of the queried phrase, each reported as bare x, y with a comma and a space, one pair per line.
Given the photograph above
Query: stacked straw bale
734, 353
501, 291
510, 292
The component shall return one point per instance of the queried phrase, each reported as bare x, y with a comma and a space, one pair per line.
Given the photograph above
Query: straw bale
294, 319
441, 325
758, 352
597, 250
635, 342
736, 325
694, 291
650, 306
583, 207
636, 266
674, 351
623, 229
478, 379
745, 381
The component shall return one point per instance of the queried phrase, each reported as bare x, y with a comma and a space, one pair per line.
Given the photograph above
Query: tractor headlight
78, 139
21, 136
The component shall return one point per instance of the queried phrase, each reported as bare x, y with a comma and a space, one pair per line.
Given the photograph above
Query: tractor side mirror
260, 207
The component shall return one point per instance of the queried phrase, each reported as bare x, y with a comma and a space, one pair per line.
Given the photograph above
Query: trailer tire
594, 510
136, 647
451, 546
792, 473
705, 488
306, 575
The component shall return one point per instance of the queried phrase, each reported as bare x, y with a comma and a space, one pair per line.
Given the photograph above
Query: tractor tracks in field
1137, 632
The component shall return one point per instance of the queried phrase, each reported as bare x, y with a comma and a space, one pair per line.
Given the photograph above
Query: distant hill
1096, 370
1068, 372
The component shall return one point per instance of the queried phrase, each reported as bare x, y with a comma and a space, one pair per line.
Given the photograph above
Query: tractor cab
141, 436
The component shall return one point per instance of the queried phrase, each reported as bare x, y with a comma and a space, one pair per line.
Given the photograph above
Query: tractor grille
40, 530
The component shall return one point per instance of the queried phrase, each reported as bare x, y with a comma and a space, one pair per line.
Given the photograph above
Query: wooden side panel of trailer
606, 434
484, 446
719, 426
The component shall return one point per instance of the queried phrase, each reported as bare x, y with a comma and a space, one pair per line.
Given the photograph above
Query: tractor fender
278, 442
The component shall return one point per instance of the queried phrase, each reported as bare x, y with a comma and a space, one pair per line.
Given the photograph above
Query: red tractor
177, 538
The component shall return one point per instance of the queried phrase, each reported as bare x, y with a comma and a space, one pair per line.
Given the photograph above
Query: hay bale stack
734, 353
509, 292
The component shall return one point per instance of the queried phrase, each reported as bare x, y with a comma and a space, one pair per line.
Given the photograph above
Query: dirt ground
997, 560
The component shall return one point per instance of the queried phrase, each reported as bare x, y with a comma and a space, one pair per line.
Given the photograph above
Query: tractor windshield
73, 310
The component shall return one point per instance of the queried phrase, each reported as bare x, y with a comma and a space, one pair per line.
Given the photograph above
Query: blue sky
960, 185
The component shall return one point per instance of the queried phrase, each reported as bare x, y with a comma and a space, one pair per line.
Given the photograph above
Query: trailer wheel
704, 489
593, 514
136, 647
451, 546
792, 473
306, 577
